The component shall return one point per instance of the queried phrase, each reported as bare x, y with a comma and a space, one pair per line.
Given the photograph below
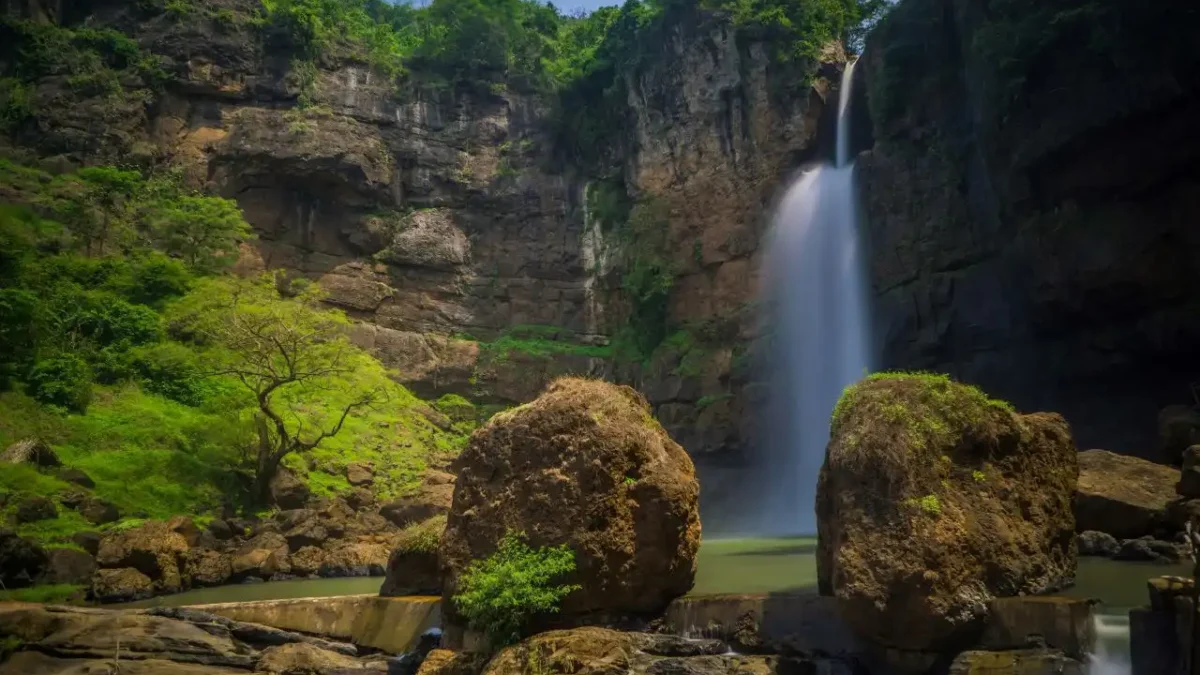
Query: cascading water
1112, 646
816, 296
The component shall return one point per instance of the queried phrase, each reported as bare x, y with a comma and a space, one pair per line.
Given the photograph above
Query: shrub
500, 594
17, 311
169, 369
155, 278
423, 537
64, 380
101, 318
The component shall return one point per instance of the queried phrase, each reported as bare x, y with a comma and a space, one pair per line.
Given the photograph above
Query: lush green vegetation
423, 537
94, 62
923, 410
502, 593
538, 341
48, 593
123, 347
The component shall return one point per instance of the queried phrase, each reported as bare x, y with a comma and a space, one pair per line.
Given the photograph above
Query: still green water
723, 566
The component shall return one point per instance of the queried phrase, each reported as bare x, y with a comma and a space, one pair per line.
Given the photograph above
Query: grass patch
540, 342
706, 401
48, 593
423, 537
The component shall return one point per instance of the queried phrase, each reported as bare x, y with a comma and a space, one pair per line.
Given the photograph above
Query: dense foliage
500, 594
94, 62
116, 348
527, 41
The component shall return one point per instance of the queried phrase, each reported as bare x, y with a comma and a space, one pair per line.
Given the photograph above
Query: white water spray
816, 290
1112, 646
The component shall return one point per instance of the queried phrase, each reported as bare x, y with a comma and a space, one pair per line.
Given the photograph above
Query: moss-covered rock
413, 566
586, 465
933, 500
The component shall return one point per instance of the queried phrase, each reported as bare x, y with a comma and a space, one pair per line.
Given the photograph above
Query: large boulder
21, 561
586, 465
287, 491
264, 556
933, 500
1124, 496
68, 566
354, 559
30, 451
151, 548
205, 567
307, 561
299, 658
33, 509
432, 498
97, 511
412, 568
121, 585
1178, 429
601, 651
1189, 479
446, 662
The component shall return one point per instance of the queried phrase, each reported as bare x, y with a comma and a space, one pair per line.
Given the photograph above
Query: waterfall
1112, 645
816, 299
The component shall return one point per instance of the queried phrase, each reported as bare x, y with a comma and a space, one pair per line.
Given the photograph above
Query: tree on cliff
305, 377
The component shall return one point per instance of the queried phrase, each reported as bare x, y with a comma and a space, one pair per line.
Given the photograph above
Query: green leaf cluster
500, 594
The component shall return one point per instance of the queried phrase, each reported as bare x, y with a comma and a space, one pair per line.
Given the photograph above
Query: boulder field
935, 499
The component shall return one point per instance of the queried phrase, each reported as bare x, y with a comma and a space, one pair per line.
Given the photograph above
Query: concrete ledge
389, 624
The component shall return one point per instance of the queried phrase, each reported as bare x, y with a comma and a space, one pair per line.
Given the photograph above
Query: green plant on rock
500, 594
422, 537
929, 504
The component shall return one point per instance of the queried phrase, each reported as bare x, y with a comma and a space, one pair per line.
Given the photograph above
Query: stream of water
817, 303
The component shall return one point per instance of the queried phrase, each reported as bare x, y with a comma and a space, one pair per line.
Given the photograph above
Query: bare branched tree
283, 352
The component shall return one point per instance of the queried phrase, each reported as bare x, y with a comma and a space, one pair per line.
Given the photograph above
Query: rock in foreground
600, 651
585, 465
935, 499
1124, 496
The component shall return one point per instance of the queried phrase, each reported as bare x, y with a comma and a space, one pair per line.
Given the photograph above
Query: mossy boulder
412, 568
933, 500
125, 584
585, 465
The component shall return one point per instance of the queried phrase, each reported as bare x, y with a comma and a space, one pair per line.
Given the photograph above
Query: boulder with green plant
584, 465
933, 500
413, 566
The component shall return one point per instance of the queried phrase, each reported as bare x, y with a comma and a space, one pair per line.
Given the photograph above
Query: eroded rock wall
441, 218
1032, 201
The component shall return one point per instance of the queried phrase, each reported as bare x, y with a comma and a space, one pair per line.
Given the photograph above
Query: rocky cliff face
1032, 199
445, 220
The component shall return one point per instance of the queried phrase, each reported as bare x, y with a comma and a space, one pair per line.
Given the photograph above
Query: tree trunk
265, 464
